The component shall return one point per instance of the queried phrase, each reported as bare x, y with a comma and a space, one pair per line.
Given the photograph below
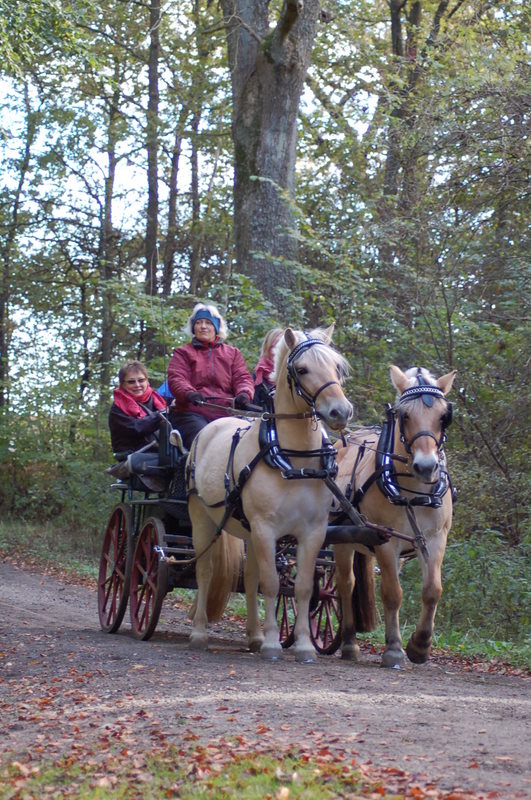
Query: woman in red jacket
206, 369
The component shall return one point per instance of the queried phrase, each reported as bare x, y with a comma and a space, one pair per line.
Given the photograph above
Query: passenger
264, 383
206, 369
134, 419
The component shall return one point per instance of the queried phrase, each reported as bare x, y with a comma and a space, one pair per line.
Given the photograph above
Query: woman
264, 383
134, 418
206, 369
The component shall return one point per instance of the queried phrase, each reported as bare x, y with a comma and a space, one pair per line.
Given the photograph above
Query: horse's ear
328, 333
445, 383
398, 378
290, 339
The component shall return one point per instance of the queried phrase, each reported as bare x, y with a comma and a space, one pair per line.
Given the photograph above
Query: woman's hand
195, 398
242, 401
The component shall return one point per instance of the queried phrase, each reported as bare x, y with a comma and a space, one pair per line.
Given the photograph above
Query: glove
195, 398
241, 401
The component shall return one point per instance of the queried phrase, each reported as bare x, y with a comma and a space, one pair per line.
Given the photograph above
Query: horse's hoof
417, 655
305, 657
255, 645
350, 652
271, 653
394, 659
197, 643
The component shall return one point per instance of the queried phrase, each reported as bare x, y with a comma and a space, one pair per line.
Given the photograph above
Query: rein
257, 413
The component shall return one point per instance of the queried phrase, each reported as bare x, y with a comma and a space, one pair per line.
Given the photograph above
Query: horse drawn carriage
156, 541
148, 552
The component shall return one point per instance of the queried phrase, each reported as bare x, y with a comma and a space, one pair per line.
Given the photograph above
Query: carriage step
173, 539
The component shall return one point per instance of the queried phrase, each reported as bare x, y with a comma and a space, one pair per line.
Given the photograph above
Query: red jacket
217, 370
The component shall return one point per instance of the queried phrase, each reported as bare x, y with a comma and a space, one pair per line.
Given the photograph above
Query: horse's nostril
333, 413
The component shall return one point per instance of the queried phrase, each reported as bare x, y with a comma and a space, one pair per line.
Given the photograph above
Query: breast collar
277, 457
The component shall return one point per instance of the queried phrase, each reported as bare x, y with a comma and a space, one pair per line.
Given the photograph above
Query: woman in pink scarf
135, 414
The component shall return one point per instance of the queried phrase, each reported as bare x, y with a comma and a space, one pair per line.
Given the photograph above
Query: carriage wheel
325, 611
286, 610
149, 580
115, 569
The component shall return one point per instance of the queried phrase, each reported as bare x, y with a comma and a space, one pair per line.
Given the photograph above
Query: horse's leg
307, 552
344, 558
388, 561
255, 637
264, 545
419, 645
203, 532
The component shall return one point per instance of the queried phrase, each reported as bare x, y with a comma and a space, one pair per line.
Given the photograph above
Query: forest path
64, 684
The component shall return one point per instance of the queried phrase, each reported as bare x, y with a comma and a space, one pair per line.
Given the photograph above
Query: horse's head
313, 373
423, 414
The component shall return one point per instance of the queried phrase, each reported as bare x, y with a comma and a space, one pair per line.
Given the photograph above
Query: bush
485, 589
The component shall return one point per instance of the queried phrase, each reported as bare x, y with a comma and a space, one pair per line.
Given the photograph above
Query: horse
262, 479
414, 498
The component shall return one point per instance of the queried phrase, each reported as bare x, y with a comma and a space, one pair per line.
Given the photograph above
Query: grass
216, 772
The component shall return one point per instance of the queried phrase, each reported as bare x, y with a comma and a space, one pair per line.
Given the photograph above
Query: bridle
427, 393
294, 379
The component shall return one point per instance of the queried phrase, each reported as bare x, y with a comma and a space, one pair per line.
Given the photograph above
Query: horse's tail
227, 559
364, 595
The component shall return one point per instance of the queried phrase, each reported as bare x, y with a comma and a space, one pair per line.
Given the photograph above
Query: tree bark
268, 73
152, 144
12, 231
107, 255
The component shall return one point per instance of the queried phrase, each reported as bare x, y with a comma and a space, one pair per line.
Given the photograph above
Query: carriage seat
151, 469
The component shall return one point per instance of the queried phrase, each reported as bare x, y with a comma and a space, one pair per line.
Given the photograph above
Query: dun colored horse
397, 477
262, 480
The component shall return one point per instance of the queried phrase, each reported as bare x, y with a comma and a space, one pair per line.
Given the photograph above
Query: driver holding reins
206, 370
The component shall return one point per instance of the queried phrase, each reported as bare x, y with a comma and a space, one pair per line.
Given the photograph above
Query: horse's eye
405, 417
302, 371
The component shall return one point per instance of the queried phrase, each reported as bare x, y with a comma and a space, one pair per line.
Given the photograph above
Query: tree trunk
12, 231
107, 255
152, 144
268, 72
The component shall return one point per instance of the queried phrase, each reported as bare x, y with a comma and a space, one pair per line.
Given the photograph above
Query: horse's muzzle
336, 414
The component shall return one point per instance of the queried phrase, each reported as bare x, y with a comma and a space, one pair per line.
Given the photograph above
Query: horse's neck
299, 434
295, 434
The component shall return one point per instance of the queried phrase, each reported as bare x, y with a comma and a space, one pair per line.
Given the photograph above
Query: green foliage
413, 237
486, 591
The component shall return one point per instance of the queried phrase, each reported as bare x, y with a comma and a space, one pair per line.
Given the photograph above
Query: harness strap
419, 541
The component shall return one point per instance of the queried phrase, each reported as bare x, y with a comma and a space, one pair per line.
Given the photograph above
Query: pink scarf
130, 405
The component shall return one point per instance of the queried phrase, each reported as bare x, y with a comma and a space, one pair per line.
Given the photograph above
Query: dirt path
64, 683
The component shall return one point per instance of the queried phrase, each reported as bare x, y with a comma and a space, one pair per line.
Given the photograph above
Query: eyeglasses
137, 380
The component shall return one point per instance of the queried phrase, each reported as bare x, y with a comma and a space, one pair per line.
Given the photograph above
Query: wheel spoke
113, 581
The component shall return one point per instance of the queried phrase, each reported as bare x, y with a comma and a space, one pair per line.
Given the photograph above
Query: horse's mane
320, 355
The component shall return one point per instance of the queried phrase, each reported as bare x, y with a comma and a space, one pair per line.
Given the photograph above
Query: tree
268, 70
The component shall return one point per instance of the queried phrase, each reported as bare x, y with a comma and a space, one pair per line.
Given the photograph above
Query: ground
64, 683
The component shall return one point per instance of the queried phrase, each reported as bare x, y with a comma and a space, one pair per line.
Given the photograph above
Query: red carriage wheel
115, 569
149, 579
286, 610
325, 610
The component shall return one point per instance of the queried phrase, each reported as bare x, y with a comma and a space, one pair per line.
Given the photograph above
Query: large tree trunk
152, 144
268, 72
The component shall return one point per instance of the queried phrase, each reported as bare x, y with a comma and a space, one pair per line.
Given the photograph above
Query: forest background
361, 162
